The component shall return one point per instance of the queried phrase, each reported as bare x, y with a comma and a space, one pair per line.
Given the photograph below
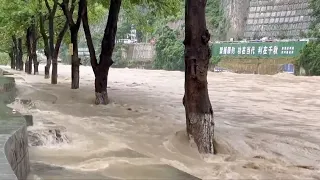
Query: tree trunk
11, 54
20, 54
28, 64
107, 46
74, 29
15, 52
35, 64
46, 46
54, 73
47, 67
51, 47
34, 47
199, 113
55, 54
75, 61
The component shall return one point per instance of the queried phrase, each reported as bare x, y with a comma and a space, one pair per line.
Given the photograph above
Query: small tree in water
199, 113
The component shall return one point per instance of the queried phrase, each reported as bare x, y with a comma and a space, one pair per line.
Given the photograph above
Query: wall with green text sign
258, 49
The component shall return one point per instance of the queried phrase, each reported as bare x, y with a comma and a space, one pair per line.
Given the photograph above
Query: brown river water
267, 127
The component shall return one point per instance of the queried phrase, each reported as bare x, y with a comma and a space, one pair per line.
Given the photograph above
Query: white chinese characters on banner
287, 50
227, 50
251, 50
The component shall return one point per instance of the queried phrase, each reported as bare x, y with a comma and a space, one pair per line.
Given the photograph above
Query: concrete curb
14, 155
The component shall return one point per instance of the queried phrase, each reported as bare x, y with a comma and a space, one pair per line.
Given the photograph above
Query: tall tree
31, 43
74, 30
199, 113
101, 69
15, 18
51, 42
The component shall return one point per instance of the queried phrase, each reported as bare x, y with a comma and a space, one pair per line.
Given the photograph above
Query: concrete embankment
14, 155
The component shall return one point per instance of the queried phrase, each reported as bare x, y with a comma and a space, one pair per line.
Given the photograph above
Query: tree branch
80, 13
86, 28
65, 8
73, 5
59, 39
44, 34
48, 6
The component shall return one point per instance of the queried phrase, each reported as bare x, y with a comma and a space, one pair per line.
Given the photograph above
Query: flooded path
267, 127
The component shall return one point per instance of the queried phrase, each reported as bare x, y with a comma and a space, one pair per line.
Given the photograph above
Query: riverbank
267, 126
14, 156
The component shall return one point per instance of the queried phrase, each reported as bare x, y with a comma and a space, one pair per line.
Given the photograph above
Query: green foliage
4, 59
315, 24
217, 22
310, 58
15, 16
169, 51
310, 54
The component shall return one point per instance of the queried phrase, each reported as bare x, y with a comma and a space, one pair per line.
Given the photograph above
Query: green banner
258, 49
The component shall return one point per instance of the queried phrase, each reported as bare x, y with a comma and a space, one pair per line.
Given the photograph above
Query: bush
169, 51
310, 58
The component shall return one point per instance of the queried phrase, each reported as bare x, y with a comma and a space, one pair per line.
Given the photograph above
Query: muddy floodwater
267, 127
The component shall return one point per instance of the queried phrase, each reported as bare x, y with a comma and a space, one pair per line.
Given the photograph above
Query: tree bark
34, 41
28, 63
101, 69
14, 53
50, 40
11, 58
74, 29
107, 46
51, 47
20, 54
75, 61
46, 46
199, 113
54, 76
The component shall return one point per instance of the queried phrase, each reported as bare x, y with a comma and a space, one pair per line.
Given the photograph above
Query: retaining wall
269, 66
14, 155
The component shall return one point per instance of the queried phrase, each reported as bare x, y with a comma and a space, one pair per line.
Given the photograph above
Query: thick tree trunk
101, 83
107, 46
54, 73
75, 61
199, 113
